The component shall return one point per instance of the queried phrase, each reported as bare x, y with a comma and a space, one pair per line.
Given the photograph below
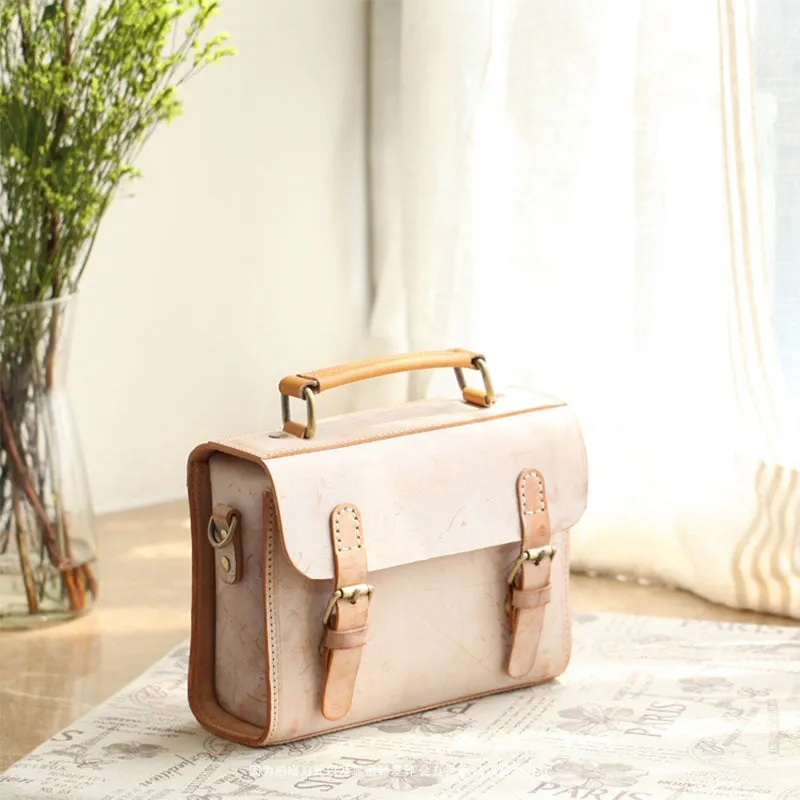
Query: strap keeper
344, 640
531, 598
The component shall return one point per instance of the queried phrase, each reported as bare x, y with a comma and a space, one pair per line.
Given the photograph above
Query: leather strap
321, 380
529, 593
346, 629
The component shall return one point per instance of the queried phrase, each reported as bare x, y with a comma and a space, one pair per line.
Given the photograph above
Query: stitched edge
336, 517
523, 491
271, 616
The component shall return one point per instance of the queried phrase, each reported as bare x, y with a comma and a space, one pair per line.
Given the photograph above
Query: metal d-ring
311, 412
480, 364
220, 538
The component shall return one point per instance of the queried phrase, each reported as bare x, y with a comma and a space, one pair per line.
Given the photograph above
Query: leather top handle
308, 384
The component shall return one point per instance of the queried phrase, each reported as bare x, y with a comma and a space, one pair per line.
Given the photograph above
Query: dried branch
23, 550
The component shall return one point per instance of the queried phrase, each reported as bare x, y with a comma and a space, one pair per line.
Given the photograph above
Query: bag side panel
240, 660
438, 634
201, 690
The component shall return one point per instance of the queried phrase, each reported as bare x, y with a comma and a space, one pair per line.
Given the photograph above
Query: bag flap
431, 479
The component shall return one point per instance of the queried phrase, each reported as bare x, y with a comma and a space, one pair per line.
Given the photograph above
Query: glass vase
48, 545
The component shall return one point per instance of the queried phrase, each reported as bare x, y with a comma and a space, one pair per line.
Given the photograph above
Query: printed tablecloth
649, 708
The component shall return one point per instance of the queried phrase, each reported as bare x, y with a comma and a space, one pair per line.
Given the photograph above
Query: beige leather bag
383, 562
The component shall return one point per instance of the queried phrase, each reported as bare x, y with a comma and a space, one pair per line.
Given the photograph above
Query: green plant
83, 85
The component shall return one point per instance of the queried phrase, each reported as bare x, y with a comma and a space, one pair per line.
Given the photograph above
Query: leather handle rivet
225, 563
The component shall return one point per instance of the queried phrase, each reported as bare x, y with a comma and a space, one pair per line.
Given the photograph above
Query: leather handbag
382, 562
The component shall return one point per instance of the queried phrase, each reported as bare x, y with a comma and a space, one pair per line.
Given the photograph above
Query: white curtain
601, 197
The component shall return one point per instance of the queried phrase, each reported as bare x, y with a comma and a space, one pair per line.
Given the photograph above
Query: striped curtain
604, 198
761, 139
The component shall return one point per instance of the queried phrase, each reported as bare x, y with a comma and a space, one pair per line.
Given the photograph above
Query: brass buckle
311, 411
535, 555
351, 593
480, 365
221, 538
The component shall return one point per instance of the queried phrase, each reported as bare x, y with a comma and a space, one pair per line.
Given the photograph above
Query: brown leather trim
331, 377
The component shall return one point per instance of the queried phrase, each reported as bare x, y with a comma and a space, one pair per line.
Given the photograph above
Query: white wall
241, 257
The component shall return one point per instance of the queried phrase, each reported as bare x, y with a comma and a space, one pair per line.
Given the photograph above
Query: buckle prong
535, 555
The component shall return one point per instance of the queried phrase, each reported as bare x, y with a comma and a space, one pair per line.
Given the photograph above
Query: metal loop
480, 365
227, 534
311, 412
